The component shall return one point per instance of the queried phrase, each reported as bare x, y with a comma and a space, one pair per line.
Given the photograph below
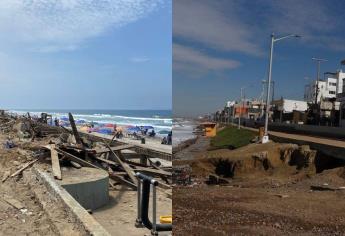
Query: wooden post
74, 129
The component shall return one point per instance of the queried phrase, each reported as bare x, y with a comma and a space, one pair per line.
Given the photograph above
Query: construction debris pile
65, 147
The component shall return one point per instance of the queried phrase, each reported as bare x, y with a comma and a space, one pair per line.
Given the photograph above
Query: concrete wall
322, 131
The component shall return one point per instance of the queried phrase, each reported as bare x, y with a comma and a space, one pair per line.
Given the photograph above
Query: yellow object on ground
210, 128
165, 219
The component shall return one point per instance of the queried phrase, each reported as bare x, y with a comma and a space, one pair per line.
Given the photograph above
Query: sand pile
273, 159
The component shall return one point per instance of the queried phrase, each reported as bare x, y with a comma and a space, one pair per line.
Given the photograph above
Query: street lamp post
265, 138
318, 60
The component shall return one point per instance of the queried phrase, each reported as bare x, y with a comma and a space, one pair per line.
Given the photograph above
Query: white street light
265, 138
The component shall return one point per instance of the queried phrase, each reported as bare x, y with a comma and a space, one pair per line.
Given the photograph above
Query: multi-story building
341, 100
327, 88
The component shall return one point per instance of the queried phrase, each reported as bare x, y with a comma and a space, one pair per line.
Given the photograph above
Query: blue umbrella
147, 127
133, 129
80, 122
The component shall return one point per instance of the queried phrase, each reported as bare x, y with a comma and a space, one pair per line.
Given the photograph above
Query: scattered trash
9, 144
23, 210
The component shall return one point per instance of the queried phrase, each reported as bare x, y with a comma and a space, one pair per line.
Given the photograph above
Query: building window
332, 84
343, 112
331, 92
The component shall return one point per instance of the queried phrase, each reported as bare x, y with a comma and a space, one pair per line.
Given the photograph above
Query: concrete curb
81, 216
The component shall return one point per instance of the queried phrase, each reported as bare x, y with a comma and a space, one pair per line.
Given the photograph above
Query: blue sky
221, 46
88, 54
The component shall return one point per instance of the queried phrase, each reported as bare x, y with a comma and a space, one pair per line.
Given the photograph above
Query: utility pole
317, 106
318, 61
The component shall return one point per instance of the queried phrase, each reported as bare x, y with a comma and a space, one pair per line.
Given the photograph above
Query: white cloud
244, 26
195, 62
209, 24
139, 59
51, 25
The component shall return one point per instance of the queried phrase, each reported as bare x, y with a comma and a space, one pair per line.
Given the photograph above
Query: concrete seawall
322, 131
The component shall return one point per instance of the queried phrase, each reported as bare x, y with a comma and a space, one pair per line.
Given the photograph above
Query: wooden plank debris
5, 176
55, 163
13, 202
124, 165
121, 179
106, 161
117, 148
153, 171
78, 160
23, 168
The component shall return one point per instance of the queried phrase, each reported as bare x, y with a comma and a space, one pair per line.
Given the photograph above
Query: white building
230, 103
328, 88
341, 100
286, 106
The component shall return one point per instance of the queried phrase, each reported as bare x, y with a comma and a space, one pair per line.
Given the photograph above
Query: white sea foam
159, 124
182, 131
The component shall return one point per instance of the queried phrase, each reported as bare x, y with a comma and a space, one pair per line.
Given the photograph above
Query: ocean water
182, 131
159, 119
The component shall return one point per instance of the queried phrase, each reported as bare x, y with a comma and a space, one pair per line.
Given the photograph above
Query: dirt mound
258, 159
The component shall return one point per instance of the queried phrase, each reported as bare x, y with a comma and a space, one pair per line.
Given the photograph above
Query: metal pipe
154, 209
138, 222
148, 181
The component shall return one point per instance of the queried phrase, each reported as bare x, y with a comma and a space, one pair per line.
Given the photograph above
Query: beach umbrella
147, 127
80, 122
104, 131
133, 129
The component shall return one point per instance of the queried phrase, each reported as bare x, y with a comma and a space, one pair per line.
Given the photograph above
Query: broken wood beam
153, 171
74, 129
55, 162
124, 165
13, 202
106, 161
78, 160
23, 168
121, 179
117, 148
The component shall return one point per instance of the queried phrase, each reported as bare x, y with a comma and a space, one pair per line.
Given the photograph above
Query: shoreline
184, 144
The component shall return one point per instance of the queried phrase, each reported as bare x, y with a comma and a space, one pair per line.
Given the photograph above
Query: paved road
318, 140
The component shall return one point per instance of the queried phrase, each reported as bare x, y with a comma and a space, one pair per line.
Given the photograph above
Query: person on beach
152, 133
164, 140
169, 138
56, 121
